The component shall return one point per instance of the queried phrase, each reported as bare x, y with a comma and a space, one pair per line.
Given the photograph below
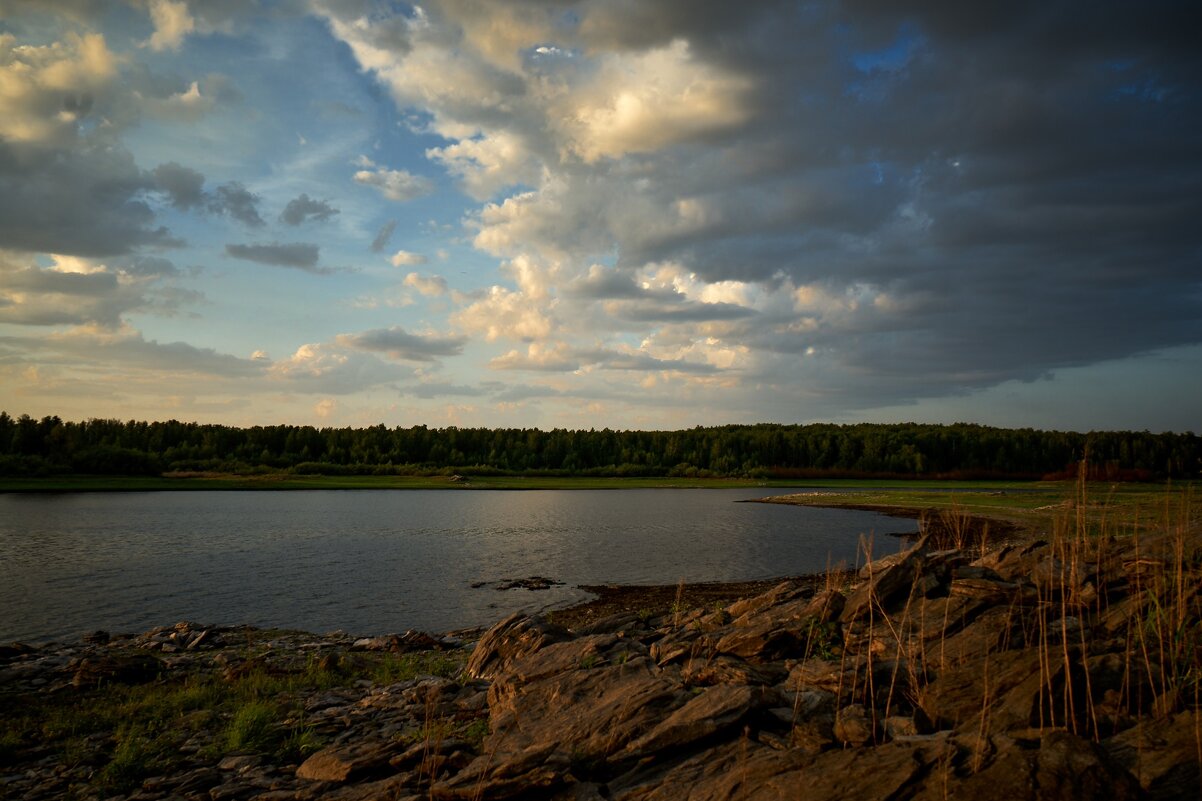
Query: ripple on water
381, 561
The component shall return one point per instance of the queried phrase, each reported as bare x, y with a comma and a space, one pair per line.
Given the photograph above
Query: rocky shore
1042, 670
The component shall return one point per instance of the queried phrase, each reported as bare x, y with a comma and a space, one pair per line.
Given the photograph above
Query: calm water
379, 561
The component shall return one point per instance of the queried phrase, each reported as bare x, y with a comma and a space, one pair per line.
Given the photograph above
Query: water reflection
381, 561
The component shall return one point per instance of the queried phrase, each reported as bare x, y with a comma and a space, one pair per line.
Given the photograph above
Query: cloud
397, 343
435, 389
329, 368
505, 314
953, 212
131, 351
643, 102
405, 258
184, 186
172, 23
238, 202
383, 237
428, 285
488, 164
325, 407
79, 291
560, 358
302, 209
296, 255
67, 185
396, 185
47, 90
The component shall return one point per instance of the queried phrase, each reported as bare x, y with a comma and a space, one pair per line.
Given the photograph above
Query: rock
781, 593
854, 726
1059, 766
514, 637
340, 763
239, 763
386, 642
763, 641
590, 714
713, 709
894, 583
530, 583
99, 669
1162, 755
524, 773
723, 669
900, 726
747, 769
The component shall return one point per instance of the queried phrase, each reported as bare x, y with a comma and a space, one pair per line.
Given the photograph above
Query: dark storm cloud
299, 256
1031, 173
83, 202
304, 208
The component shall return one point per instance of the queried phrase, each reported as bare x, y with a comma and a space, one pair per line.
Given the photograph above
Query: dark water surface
381, 561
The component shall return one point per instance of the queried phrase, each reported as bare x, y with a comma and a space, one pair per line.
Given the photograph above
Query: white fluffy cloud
428, 285
407, 258
505, 314
172, 22
398, 185
642, 102
47, 91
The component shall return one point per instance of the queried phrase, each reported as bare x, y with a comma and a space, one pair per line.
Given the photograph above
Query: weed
475, 732
252, 728
133, 759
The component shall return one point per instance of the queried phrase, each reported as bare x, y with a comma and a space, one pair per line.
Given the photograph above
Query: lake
381, 561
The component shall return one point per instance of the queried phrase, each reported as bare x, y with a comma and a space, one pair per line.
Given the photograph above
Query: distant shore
288, 481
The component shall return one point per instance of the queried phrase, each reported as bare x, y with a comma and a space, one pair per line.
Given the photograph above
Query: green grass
1034, 508
127, 733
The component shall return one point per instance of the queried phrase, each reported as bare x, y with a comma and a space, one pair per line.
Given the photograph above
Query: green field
1031, 507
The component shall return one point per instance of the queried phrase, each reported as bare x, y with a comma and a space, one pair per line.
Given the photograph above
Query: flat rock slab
342, 763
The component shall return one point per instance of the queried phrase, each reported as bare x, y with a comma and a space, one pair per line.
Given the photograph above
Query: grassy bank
113, 736
1027, 509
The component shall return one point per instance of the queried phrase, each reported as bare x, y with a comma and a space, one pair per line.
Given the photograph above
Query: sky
602, 213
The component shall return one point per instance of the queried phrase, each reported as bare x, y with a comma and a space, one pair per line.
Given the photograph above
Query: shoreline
928, 673
651, 599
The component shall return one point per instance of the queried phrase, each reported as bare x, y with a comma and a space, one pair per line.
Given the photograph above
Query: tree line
51, 445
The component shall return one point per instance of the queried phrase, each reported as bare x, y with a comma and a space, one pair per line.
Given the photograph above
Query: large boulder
512, 638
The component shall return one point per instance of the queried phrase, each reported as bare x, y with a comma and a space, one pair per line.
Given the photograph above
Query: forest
51, 446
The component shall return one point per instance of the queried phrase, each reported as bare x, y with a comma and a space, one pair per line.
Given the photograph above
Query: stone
711, 710
781, 593
239, 763
588, 713
1058, 767
514, 637
892, 584
854, 726
100, 669
1162, 754
724, 669
340, 763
